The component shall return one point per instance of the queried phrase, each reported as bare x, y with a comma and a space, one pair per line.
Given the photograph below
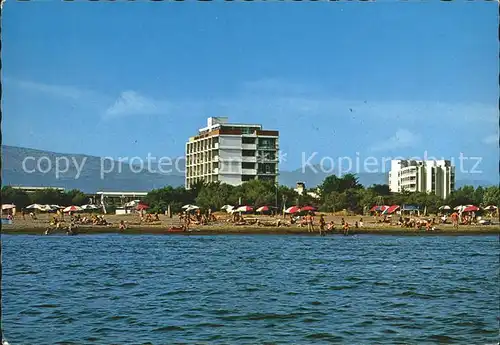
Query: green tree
333, 183
380, 189
215, 195
492, 196
48, 196
461, 196
15, 196
334, 201
74, 197
478, 196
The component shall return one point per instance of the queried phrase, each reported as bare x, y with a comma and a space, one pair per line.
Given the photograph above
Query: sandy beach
222, 226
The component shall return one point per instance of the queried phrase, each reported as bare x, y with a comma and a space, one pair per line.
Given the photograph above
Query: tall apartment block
231, 153
431, 176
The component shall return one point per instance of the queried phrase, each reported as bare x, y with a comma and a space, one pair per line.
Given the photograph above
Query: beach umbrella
379, 208
191, 208
141, 207
490, 208
89, 207
308, 208
244, 209
390, 209
36, 207
292, 209
188, 206
263, 209
72, 209
8, 206
132, 203
471, 208
228, 208
445, 207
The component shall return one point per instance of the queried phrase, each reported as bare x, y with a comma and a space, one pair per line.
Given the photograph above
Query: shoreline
218, 230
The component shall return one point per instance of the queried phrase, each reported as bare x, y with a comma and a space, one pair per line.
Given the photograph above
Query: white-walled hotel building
231, 153
431, 176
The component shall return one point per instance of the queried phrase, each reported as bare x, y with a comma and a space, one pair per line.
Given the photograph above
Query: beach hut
410, 209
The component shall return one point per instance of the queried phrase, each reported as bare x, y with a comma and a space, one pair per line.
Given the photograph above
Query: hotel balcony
249, 159
249, 171
249, 147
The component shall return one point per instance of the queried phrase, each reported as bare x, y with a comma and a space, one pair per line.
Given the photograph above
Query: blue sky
128, 79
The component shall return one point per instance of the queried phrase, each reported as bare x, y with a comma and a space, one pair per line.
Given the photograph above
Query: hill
84, 172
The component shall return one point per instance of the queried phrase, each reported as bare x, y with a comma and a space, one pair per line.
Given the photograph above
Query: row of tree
48, 196
335, 194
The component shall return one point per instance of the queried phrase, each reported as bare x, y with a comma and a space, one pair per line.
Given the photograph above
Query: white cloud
68, 92
132, 103
403, 138
283, 100
490, 139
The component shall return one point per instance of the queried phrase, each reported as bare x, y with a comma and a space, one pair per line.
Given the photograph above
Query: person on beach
331, 226
454, 219
310, 223
23, 213
322, 224
346, 228
360, 222
122, 226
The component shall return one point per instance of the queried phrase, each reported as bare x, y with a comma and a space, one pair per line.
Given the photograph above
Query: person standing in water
346, 228
322, 224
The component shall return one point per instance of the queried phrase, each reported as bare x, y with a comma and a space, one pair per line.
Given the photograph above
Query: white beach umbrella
185, 207
132, 203
490, 208
89, 207
227, 208
8, 206
445, 207
191, 208
36, 207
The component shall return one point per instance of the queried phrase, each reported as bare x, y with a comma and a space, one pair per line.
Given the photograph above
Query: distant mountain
88, 181
132, 178
474, 183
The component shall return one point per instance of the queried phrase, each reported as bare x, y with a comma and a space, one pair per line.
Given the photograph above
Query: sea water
261, 289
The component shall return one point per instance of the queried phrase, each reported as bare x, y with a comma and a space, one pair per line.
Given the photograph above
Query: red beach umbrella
244, 209
72, 209
471, 208
141, 207
293, 209
308, 208
263, 209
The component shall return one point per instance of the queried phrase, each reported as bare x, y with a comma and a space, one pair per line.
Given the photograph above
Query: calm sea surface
115, 289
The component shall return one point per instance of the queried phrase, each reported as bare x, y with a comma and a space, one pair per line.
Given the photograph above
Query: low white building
231, 153
431, 176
